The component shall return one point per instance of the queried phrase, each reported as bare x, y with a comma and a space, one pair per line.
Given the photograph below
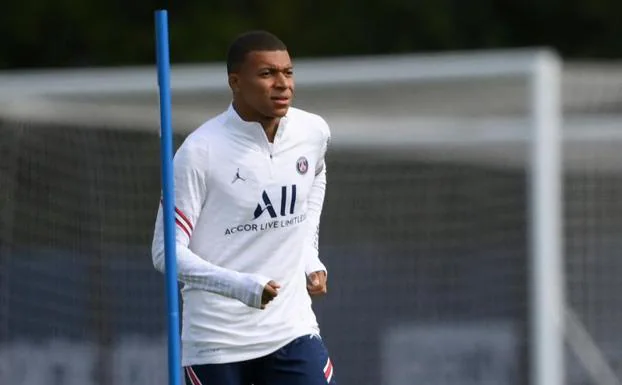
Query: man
249, 189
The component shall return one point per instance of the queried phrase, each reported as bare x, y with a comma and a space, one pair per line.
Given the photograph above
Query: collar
234, 120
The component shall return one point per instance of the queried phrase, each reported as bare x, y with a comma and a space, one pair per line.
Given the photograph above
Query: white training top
247, 212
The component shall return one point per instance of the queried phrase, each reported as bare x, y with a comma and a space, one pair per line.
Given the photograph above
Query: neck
269, 124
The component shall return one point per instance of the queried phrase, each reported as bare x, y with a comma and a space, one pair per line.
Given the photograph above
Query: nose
281, 81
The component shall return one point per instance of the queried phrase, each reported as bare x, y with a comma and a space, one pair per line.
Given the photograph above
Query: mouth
280, 100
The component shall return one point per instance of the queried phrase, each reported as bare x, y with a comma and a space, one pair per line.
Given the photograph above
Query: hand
316, 283
270, 291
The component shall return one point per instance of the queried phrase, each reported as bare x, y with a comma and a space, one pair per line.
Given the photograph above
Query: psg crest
302, 165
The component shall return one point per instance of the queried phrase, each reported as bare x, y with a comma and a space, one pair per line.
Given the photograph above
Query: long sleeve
315, 204
316, 201
190, 193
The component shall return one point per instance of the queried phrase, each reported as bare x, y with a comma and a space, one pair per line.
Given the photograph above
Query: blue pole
168, 196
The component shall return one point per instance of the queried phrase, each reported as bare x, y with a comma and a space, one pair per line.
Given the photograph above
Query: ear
234, 82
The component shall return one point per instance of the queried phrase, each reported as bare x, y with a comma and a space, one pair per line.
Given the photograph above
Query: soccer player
249, 190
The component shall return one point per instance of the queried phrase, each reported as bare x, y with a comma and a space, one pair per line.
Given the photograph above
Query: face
265, 83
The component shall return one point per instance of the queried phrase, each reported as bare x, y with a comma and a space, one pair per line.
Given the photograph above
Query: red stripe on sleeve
184, 218
183, 227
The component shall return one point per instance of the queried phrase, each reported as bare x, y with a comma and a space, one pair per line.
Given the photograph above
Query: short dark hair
248, 42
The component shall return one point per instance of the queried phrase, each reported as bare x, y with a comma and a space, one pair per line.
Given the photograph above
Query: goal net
443, 230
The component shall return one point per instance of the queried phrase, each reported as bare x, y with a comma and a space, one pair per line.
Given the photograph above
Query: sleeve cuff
252, 289
313, 262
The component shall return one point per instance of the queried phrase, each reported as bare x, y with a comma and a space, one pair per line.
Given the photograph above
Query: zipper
271, 150
271, 161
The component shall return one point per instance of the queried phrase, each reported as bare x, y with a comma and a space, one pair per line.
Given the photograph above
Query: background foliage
44, 33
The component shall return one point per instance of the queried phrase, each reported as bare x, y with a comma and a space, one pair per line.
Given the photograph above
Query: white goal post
547, 287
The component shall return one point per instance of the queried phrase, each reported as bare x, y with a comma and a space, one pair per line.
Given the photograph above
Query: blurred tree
42, 33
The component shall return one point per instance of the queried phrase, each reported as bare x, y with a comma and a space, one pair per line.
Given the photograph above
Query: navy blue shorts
304, 361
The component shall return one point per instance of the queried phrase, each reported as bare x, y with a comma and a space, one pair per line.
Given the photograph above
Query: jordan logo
238, 177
